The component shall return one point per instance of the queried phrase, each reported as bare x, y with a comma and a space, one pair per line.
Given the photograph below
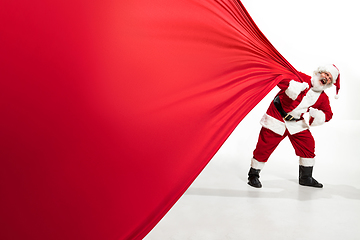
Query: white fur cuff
318, 115
306, 162
256, 164
295, 88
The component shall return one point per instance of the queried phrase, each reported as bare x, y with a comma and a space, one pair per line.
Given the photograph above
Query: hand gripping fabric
110, 109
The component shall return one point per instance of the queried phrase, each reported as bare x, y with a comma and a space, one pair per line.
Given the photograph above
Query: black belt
283, 114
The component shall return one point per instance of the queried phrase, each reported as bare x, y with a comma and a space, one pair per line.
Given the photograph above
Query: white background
313, 32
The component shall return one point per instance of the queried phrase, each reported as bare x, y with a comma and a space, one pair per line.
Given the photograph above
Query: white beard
317, 86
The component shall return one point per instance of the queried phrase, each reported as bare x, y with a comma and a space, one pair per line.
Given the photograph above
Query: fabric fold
111, 109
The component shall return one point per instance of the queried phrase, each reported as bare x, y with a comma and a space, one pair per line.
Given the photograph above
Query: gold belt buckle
288, 115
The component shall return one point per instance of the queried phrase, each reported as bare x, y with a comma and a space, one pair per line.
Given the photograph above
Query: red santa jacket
297, 97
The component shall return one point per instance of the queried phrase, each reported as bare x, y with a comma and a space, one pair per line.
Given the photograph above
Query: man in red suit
284, 118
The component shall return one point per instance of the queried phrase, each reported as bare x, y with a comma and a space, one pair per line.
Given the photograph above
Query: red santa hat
335, 73
337, 82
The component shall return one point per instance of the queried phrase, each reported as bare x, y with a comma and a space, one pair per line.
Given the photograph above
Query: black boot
306, 179
254, 178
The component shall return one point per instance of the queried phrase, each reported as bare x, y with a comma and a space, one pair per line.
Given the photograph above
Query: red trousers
303, 143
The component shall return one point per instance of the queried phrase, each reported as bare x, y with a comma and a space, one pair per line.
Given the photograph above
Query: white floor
220, 205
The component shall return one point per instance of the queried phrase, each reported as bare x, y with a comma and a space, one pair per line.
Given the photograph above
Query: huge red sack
110, 109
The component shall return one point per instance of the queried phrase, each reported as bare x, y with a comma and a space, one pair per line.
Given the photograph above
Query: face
325, 78
321, 81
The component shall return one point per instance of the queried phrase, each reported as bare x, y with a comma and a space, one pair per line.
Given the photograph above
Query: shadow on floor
282, 189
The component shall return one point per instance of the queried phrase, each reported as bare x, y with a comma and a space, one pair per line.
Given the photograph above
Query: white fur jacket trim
273, 124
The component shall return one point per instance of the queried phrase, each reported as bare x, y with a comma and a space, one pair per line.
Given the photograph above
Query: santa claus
284, 118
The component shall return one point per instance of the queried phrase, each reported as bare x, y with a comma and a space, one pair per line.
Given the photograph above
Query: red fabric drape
110, 109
